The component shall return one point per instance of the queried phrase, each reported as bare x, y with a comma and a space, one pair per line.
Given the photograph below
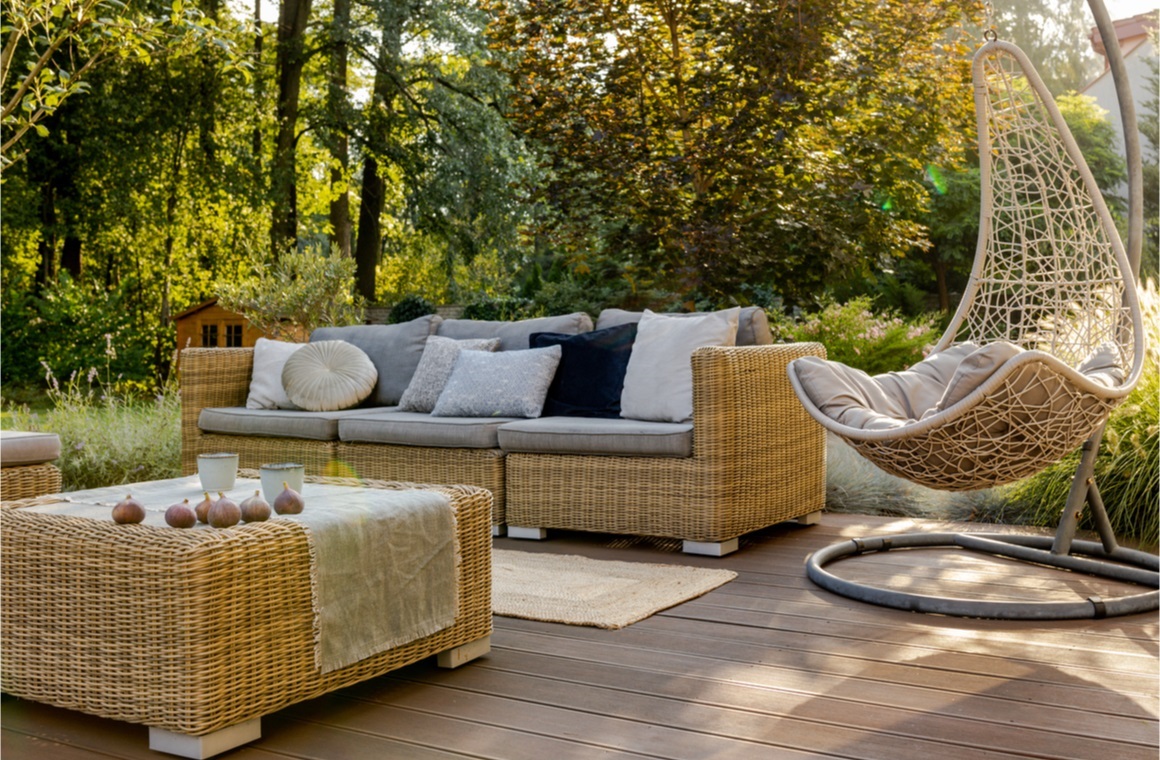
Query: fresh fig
224, 513
202, 509
181, 515
128, 511
255, 508
289, 502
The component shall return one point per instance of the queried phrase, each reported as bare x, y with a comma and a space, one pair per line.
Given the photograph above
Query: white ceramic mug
217, 472
274, 475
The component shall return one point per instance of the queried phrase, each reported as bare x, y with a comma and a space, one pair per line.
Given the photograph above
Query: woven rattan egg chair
1052, 289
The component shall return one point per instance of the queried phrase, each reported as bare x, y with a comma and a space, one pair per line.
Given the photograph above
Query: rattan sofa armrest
743, 403
211, 377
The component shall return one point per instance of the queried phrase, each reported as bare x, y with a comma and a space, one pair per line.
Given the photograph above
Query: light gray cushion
1104, 366
513, 336
975, 369
266, 390
504, 384
395, 351
882, 402
587, 435
273, 423
658, 384
435, 367
752, 323
19, 448
327, 375
415, 429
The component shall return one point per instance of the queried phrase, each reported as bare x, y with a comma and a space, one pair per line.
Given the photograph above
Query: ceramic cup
217, 472
274, 475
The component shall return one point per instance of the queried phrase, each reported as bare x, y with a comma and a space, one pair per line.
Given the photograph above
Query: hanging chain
989, 32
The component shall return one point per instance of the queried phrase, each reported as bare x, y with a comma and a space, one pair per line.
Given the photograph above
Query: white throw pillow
266, 391
434, 369
327, 375
658, 384
504, 384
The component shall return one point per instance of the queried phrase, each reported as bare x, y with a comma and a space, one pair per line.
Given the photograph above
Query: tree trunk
259, 83
340, 143
70, 255
370, 234
283, 173
46, 269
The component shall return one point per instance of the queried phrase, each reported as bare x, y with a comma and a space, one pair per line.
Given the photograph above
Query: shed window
233, 336
209, 336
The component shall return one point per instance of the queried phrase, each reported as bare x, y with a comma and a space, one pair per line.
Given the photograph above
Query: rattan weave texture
26, 481
219, 377
191, 630
758, 459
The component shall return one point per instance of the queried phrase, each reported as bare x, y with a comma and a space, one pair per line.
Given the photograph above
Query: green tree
1150, 130
1055, 36
53, 46
709, 145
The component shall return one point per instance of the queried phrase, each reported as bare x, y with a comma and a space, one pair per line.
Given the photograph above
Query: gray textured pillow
395, 351
504, 384
327, 375
435, 367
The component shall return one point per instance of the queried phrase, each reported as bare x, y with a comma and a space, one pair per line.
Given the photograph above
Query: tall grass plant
107, 437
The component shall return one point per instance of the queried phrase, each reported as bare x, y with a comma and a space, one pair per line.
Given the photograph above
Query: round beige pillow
328, 375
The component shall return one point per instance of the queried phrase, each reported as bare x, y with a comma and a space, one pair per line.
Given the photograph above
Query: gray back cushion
513, 336
752, 325
395, 351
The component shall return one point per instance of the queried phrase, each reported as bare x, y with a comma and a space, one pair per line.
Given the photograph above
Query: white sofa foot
534, 534
206, 745
498, 530
710, 548
813, 518
464, 653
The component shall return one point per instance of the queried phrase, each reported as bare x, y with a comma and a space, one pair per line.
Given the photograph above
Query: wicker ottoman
26, 468
196, 633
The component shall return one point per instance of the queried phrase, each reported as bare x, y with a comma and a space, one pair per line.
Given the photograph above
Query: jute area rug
560, 588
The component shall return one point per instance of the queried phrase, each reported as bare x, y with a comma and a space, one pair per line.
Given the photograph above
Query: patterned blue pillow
504, 384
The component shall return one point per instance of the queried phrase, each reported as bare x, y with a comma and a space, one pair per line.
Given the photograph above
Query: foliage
106, 437
483, 306
710, 144
298, 291
57, 43
1054, 35
410, 307
74, 325
1127, 468
854, 335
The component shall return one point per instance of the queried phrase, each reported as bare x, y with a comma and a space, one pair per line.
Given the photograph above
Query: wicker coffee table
196, 633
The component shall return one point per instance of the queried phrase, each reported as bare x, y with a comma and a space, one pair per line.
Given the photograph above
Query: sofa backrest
514, 336
752, 324
395, 351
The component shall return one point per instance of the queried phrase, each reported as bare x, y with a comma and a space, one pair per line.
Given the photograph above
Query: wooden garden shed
209, 325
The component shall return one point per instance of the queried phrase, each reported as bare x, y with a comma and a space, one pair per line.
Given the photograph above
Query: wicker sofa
751, 458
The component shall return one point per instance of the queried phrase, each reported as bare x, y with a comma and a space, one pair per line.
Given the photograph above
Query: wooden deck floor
767, 666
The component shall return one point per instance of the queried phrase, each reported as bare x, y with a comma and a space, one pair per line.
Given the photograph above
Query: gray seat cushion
752, 324
418, 429
395, 351
585, 435
514, 336
273, 423
19, 448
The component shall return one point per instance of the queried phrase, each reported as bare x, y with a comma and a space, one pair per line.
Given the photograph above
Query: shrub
854, 335
298, 291
1127, 468
499, 308
108, 439
410, 307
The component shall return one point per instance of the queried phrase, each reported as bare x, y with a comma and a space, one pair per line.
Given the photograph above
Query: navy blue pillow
590, 377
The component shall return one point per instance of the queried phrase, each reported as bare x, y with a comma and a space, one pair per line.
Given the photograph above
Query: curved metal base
1139, 567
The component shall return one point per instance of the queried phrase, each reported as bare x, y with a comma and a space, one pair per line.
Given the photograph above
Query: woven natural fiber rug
559, 588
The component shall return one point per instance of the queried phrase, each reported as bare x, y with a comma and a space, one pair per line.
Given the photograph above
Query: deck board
766, 666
